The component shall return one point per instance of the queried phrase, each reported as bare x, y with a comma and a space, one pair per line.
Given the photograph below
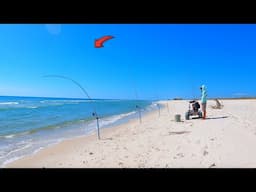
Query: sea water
28, 124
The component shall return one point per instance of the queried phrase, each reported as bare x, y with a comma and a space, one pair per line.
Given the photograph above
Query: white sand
160, 142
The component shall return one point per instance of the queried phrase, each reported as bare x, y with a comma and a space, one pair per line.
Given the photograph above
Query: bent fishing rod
94, 114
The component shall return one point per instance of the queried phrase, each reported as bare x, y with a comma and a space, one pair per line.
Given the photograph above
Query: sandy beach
226, 139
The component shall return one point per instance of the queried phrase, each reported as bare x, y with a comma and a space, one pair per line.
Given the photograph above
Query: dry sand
227, 139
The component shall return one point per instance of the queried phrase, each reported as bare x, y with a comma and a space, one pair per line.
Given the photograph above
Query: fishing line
94, 114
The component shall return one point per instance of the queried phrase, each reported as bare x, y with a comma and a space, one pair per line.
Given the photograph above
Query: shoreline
226, 139
91, 135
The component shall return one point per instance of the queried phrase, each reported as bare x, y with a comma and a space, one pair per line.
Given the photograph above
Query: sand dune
226, 139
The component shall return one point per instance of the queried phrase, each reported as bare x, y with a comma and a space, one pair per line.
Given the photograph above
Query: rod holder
168, 108
98, 127
158, 110
138, 108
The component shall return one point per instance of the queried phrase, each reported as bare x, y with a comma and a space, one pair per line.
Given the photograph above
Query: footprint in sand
178, 132
178, 148
205, 152
156, 148
180, 155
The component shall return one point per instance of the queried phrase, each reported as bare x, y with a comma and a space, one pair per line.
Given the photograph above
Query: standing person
203, 100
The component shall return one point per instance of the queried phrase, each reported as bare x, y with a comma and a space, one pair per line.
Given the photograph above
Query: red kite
99, 42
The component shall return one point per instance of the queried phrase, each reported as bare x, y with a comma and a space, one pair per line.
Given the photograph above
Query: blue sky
158, 60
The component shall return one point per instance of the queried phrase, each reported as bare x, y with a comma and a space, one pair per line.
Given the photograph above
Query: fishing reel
97, 120
94, 114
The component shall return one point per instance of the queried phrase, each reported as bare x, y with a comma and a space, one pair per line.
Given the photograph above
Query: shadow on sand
178, 132
104, 139
217, 117
223, 117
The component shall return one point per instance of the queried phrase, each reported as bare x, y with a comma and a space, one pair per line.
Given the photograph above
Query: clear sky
158, 60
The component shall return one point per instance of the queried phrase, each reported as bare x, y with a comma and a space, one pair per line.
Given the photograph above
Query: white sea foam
16, 156
113, 119
32, 107
10, 160
9, 136
20, 149
9, 103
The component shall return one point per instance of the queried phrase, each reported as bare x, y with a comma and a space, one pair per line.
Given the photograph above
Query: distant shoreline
237, 98
220, 98
169, 99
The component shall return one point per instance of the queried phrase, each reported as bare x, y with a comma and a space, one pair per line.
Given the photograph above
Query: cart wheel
200, 114
187, 116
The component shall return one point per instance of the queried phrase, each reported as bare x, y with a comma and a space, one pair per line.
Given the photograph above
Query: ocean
29, 124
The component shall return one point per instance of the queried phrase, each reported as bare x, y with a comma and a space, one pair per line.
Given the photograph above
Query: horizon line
174, 98
69, 97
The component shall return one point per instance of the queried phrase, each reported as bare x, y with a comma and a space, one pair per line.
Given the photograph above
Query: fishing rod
167, 103
159, 110
137, 106
158, 105
167, 106
94, 114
